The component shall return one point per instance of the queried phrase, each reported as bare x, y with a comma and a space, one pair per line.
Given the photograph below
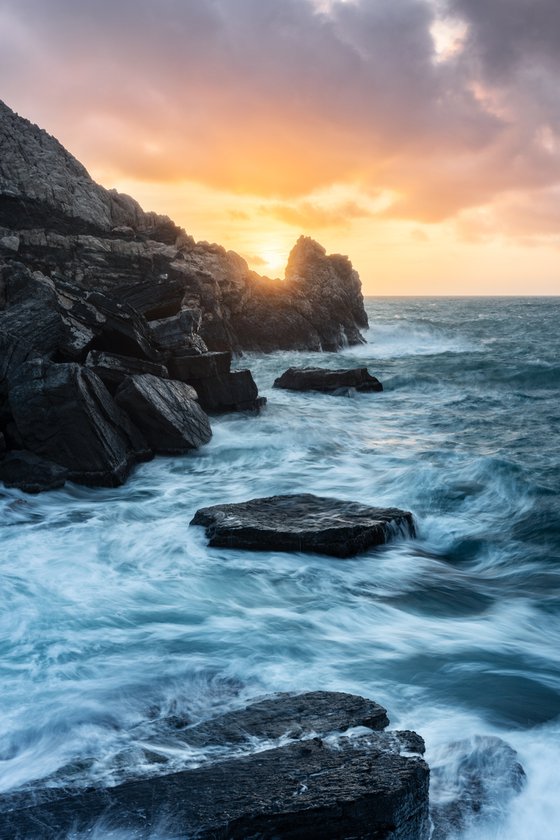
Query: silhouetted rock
341, 787
472, 779
340, 382
56, 219
30, 473
113, 369
302, 522
166, 412
65, 414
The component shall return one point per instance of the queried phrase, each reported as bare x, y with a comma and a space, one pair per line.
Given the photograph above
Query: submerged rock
340, 787
302, 522
472, 779
328, 381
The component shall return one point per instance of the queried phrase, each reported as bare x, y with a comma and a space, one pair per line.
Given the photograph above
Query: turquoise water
115, 612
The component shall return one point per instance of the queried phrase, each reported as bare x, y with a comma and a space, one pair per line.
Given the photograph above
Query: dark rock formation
113, 369
341, 787
292, 715
302, 523
55, 219
31, 473
64, 413
328, 381
473, 779
166, 412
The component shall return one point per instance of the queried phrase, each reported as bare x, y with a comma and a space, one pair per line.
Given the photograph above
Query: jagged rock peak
43, 185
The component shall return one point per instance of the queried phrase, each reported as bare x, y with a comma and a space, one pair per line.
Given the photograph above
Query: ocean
116, 613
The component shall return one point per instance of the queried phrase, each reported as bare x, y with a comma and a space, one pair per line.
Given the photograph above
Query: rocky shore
117, 330
117, 334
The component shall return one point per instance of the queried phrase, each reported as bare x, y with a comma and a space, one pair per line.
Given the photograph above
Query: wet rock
193, 368
30, 473
65, 414
340, 382
340, 787
166, 412
472, 779
302, 522
293, 715
113, 369
235, 391
179, 333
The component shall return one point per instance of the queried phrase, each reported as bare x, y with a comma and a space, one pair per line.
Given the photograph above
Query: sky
419, 137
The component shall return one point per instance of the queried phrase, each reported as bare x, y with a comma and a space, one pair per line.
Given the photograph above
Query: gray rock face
340, 787
302, 523
328, 381
113, 369
64, 414
166, 412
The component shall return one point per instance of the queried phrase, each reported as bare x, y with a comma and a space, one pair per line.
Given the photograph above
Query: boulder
235, 391
302, 522
64, 413
367, 785
192, 368
30, 473
113, 369
328, 381
166, 412
179, 333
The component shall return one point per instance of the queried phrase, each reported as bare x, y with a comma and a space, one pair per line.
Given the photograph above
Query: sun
273, 258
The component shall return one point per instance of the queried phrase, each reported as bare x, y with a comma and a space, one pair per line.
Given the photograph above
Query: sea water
115, 612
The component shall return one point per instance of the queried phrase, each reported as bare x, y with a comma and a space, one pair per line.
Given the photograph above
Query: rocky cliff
55, 219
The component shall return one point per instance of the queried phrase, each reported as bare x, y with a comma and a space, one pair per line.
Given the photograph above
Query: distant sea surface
115, 612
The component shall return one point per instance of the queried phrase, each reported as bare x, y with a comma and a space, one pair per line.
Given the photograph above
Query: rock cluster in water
117, 329
318, 783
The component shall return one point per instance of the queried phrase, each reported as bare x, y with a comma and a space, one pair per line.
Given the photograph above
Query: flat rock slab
327, 380
357, 788
284, 715
303, 522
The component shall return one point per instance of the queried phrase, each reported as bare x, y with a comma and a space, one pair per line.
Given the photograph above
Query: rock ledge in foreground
365, 786
328, 380
302, 522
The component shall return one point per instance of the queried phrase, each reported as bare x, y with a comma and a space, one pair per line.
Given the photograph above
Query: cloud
308, 216
283, 99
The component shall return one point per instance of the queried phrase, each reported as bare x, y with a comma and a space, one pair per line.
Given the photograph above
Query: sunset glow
420, 137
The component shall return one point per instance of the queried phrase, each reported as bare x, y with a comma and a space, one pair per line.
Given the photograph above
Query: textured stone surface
302, 522
65, 414
113, 369
30, 473
292, 715
359, 787
328, 381
235, 391
166, 412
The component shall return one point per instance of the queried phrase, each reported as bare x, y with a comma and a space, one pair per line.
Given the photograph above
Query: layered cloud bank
432, 125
